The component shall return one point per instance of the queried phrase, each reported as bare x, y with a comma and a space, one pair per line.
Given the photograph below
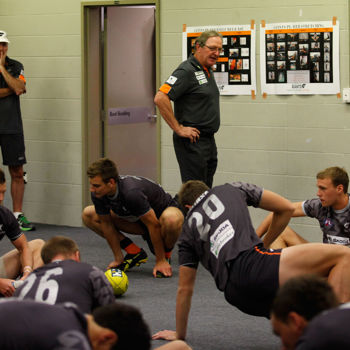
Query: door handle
152, 118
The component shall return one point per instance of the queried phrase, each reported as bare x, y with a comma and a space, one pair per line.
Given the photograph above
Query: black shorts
254, 280
12, 149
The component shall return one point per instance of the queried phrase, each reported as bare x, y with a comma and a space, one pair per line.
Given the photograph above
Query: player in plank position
218, 232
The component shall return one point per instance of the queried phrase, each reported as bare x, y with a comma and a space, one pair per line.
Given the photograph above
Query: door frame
85, 8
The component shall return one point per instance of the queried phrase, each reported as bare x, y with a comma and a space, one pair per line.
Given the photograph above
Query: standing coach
196, 115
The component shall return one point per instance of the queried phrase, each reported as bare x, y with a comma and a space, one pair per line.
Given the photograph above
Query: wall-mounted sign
299, 58
234, 71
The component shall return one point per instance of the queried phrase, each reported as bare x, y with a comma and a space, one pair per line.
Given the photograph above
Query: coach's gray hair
202, 39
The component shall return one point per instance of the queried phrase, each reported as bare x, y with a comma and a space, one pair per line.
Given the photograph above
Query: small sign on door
129, 115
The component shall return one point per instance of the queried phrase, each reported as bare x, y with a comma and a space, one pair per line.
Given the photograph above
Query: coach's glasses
214, 48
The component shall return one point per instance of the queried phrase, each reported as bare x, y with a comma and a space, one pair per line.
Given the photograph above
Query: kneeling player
135, 205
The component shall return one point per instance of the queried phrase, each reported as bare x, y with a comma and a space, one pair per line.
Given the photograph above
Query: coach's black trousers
198, 160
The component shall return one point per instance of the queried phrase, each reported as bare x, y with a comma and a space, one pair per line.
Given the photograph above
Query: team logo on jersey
199, 75
202, 79
347, 227
197, 201
328, 223
171, 80
338, 240
224, 233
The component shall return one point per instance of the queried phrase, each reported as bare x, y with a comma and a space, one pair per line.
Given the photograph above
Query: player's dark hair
306, 295
58, 245
202, 39
127, 322
105, 168
190, 191
2, 177
338, 175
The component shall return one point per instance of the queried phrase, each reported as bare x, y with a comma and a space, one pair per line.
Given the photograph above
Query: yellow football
119, 281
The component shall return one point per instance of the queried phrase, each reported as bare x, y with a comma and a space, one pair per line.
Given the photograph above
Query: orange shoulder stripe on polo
165, 88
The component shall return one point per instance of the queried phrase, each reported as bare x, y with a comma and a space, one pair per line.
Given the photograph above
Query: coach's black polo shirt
196, 96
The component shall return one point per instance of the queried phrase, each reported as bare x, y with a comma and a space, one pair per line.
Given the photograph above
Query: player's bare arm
282, 210
6, 287
25, 253
110, 234
298, 210
175, 345
187, 278
154, 229
5, 92
16, 84
164, 105
265, 224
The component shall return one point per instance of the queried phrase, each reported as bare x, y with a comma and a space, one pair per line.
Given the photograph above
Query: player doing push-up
218, 233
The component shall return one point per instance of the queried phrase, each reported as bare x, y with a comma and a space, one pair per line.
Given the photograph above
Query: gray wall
279, 142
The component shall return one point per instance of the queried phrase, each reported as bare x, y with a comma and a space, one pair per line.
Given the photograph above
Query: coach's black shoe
131, 260
25, 224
